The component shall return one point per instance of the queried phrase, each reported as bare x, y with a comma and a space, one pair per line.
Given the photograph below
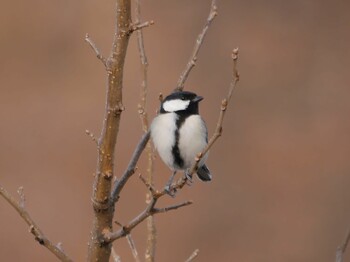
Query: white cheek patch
175, 105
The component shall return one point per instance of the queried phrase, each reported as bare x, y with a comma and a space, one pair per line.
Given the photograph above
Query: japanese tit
179, 133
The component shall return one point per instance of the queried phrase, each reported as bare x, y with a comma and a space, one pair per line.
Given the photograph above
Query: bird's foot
170, 190
188, 178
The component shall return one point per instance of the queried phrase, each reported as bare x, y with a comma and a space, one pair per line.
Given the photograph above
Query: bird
179, 134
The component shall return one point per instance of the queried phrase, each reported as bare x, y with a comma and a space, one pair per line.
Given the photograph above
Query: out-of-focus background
281, 170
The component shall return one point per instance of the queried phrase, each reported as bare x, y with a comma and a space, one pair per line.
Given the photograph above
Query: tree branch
172, 207
130, 170
151, 227
150, 210
137, 26
96, 50
133, 248
193, 59
224, 104
103, 207
341, 249
33, 228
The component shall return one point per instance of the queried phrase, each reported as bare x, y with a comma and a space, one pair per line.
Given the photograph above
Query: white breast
192, 141
162, 133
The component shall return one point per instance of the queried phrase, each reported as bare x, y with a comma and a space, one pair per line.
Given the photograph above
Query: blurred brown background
281, 171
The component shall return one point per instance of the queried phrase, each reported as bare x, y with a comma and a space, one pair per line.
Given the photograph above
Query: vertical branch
193, 59
151, 228
133, 248
103, 209
144, 69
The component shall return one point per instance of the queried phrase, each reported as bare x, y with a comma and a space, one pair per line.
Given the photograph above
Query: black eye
182, 98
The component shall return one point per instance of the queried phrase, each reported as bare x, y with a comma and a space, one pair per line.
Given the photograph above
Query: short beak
197, 99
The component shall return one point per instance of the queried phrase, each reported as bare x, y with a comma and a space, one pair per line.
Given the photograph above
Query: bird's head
181, 102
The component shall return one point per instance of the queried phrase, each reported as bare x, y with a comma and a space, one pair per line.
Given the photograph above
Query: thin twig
138, 25
130, 170
144, 68
149, 186
150, 252
150, 210
118, 223
133, 248
108, 238
193, 256
151, 227
33, 228
341, 249
172, 207
224, 104
199, 41
96, 50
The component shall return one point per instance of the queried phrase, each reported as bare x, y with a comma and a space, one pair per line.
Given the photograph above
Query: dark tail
203, 173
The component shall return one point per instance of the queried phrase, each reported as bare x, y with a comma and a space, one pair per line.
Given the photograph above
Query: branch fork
138, 26
150, 210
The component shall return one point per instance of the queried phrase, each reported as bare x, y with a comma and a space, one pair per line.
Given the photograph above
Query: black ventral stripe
178, 160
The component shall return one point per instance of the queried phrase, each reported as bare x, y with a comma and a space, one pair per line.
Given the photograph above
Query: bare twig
193, 256
138, 25
144, 66
224, 104
341, 249
151, 237
172, 207
130, 170
151, 228
150, 210
199, 41
33, 228
149, 186
96, 50
133, 248
118, 223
